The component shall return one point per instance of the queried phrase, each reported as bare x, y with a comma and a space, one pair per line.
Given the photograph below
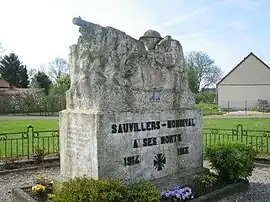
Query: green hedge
32, 103
209, 109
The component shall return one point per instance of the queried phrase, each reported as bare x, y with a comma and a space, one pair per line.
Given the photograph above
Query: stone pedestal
130, 146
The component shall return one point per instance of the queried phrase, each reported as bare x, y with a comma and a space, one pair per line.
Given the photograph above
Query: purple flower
176, 187
172, 193
177, 193
187, 189
178, 196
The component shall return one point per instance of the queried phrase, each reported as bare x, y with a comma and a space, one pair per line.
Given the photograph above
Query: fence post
245, 107
28, 142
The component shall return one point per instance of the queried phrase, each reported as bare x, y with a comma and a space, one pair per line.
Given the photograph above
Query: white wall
242, 96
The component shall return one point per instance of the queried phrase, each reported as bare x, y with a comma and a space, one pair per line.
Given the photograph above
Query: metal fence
258, 139
245, 105
25, 144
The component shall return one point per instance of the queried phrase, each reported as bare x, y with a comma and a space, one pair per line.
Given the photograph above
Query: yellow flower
38, 187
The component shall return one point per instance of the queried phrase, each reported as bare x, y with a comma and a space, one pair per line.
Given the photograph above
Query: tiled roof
4, 84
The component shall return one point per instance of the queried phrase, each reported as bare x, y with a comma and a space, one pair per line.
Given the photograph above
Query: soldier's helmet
150, 39
151, 34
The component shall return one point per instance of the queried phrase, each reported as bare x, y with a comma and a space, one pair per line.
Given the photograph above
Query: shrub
39, 155
232, 160
205, 97
43, 180
42, 188
40, 192
205, 182
90, 190
143, 191
209, 109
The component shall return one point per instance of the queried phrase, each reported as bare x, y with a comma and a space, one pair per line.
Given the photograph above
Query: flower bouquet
177, 194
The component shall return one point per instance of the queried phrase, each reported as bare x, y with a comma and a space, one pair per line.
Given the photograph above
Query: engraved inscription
150, 125
152, 141
182, 151
159, 159
132, 160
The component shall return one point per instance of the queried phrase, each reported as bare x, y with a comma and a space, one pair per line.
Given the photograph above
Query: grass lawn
7, 126
231, 123
19, 145
258, 140
22, 144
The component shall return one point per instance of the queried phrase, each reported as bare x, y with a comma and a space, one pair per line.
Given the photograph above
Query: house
245, 87
8, 89
4, 84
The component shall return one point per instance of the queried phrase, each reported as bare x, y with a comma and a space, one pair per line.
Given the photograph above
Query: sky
227, 30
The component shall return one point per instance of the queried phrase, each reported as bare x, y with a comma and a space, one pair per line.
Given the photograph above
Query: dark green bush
205, 97
143, 191
90, 190
232, 160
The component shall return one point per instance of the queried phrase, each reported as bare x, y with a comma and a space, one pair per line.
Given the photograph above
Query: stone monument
130, 113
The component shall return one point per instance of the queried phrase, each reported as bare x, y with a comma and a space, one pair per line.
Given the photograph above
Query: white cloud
191, 14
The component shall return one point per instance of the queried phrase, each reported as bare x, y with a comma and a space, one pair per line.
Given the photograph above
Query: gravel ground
22, 179
259, 190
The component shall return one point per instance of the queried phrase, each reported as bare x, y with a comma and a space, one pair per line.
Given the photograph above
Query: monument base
130, 146
184, 178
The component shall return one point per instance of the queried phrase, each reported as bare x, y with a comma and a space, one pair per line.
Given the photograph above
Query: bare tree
57, 68
201, 70
33, 71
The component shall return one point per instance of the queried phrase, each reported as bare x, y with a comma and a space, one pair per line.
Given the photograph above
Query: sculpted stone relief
105, 57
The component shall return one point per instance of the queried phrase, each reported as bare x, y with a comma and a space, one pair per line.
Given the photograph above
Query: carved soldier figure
150, 39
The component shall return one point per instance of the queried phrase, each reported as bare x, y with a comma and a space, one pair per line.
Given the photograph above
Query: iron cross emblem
155, 97
159, 161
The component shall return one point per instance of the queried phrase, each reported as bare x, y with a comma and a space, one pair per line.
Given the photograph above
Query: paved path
241, 114
28, 117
